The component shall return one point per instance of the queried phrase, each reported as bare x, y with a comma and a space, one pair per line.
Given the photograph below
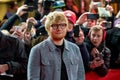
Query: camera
93, 16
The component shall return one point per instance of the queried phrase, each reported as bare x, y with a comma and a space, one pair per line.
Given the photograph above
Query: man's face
96, 37
91, 23
58, 31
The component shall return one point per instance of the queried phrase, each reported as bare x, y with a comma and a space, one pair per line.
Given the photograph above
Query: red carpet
113, 74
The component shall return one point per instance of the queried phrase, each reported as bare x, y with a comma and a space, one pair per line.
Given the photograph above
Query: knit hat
71, 16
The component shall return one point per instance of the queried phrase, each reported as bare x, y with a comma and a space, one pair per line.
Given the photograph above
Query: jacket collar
52, 46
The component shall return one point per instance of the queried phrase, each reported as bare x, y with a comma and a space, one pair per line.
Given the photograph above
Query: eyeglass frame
61, 26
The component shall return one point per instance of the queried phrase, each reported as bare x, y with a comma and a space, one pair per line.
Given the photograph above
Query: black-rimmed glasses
61, 26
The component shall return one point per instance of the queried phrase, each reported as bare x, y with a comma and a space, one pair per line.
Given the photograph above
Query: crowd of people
59, 45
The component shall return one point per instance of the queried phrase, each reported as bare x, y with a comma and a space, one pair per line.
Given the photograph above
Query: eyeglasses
61, 26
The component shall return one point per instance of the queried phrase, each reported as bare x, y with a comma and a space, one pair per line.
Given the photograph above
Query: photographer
11, 21
86, 21
79, 40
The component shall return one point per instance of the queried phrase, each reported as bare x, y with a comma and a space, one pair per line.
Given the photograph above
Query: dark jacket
9, 23
113, 43
12, 52
85, 55
102, 70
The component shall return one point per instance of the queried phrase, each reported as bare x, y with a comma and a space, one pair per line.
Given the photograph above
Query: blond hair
55, 17
96, 28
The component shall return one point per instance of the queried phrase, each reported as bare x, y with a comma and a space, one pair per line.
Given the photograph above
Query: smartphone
76, 30
29, 27
93, 16
29, 9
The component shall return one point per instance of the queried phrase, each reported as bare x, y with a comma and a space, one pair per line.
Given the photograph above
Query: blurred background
9, 7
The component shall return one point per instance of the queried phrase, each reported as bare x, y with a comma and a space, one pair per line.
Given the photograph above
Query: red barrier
113, 74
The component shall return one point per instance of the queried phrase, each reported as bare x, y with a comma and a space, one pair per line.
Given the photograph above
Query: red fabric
71, 16
113, 74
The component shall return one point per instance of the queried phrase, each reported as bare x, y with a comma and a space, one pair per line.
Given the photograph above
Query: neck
57, 42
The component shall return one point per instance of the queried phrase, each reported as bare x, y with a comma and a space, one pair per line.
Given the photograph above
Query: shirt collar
52, 46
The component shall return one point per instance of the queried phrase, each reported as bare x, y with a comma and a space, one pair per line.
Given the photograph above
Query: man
13, 59
55, 58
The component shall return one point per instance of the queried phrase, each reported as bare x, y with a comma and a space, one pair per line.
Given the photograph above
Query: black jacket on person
113, 43
106, 54
9, 23
85, 55
12, 52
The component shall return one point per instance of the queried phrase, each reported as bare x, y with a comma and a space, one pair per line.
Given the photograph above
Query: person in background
99, 53
7, 25
113, 43
55, 58
39, 11
71, 16
86, 21
40, 33
70, 5
12, 7
79, 40
13, 59
19, 30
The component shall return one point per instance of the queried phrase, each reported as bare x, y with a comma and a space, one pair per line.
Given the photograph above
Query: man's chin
58, 38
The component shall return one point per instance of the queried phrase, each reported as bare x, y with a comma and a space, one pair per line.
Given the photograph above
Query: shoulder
40, 45
70, 45
10, 40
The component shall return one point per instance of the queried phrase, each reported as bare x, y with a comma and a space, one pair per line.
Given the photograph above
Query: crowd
59, 45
